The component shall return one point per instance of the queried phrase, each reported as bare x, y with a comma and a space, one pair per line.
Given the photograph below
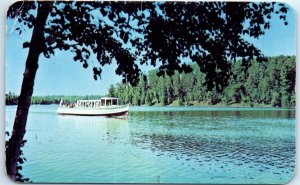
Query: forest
270, 83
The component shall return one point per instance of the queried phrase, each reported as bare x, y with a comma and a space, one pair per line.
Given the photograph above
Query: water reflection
260, 113
279, 155
106, 128
260, 140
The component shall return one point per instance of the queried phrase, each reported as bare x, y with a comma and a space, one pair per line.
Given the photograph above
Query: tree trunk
36, 47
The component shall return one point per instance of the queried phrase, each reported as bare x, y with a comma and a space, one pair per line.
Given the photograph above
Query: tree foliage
154, 33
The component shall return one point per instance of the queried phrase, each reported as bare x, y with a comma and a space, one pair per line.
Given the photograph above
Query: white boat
105, 106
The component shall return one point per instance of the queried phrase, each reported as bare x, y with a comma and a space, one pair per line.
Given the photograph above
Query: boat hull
108, 111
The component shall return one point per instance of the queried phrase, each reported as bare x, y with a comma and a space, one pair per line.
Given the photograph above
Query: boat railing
104, 107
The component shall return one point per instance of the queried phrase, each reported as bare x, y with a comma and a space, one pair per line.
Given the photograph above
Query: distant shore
194, 104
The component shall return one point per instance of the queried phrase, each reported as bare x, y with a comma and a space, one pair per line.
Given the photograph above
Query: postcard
150, 92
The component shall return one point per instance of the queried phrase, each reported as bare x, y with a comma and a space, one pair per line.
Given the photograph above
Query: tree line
270, 83
12, 99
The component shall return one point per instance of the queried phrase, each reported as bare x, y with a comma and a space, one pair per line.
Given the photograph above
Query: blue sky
60, 75
279, 39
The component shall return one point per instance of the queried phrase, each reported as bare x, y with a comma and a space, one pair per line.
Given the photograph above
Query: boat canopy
105, 101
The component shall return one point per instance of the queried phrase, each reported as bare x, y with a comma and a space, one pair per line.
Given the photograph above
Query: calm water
161, 144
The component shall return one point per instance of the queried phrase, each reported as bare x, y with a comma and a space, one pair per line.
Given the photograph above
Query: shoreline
220, 105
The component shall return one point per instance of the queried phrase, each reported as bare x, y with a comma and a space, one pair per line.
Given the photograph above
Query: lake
160, 144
